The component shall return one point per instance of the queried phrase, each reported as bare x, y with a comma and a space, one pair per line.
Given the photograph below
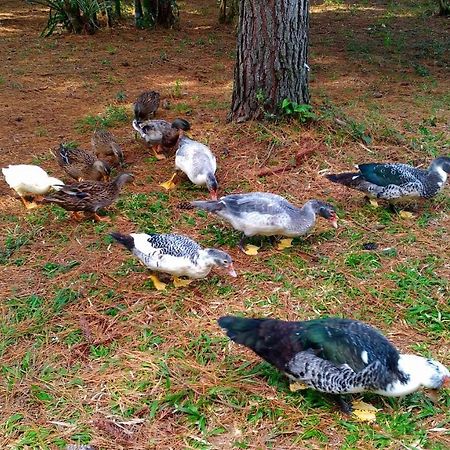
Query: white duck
30, 180
198, 162
174, 254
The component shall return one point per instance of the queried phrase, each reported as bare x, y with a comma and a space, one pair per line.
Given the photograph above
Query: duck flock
330, 355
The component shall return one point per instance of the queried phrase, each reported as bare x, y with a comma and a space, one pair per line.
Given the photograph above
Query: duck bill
446, 383
213, 195
105, 178
231, 271
334, 222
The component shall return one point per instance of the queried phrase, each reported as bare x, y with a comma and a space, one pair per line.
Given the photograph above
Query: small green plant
111, 49
420, 70
112, 116
177, 89
76, 16
182, 108
121, 96
302, 112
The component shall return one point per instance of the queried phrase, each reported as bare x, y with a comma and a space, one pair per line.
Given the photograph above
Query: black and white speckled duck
266, 214
396, 181
174, 254
336, 356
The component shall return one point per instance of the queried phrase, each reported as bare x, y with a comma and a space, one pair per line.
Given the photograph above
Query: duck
392, 181
146, 105
30, 180
105, 146
199, 164
336, 356
82, 165
161, 135
175, 254
88, 196
267, 214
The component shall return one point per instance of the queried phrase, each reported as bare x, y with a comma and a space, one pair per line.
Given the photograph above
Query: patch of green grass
113, 116
52, 269
15, 239
63, 297
148, 212
182, 108
363, 265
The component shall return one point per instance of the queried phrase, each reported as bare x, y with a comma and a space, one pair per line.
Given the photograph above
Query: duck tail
208, 205
270, 339
181, 124
125, 239
242, 330
63, 153
350, 179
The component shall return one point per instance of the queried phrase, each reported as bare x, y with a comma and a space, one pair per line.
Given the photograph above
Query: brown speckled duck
146, 105
161, 135
106, 147
82, 165
88, 196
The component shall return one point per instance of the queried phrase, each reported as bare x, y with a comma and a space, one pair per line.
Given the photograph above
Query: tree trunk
271, 57
444, 7
74, 15
165, 12
138, 15
228, 9
118, 8
223, 11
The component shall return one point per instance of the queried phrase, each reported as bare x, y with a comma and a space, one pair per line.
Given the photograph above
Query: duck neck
120, 180
204, 263
305, 217
437, 169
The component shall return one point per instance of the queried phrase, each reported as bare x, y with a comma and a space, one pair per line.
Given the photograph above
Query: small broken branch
299, 158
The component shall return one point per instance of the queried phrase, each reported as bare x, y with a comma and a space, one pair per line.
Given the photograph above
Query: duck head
326, 211
101, 170
441, 163
122, 179
212, 185
417, 372
221, 259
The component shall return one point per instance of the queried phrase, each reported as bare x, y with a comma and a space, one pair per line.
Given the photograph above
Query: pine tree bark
271, 57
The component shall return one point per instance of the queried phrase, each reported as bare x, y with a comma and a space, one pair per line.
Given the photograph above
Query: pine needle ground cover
91, 353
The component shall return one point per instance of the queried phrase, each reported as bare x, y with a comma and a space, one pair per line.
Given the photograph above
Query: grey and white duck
160, 135
391, 181
176, 255
199, 164
266, 214
336, 356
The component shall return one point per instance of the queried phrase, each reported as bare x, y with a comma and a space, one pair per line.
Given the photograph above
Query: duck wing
174, 245
257, 202
84, 196
338, 341
387, 174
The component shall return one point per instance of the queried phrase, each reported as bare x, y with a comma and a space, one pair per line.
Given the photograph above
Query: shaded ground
91, 353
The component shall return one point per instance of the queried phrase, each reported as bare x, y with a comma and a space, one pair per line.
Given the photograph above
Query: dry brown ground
163, 344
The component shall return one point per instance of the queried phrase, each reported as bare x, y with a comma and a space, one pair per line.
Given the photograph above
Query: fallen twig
299, 158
